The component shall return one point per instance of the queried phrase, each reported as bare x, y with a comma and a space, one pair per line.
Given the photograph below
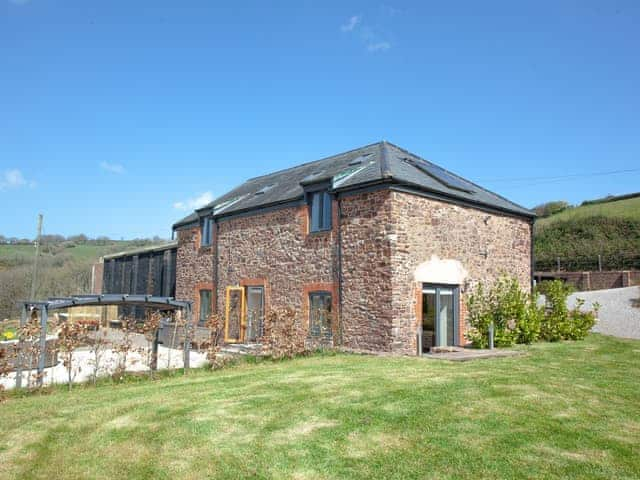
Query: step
242, 349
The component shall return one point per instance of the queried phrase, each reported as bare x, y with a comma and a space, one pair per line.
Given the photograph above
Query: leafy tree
551, 208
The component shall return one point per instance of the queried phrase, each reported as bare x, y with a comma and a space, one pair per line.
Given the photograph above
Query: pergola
57, 303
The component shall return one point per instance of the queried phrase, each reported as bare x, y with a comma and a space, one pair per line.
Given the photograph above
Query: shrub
215, 324
514, 313
559, 322
551, 208
283, 333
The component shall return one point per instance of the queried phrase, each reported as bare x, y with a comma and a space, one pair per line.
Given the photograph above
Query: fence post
187, 340
20, 346
420, 341
491, 336
558, 264
599, 263
154, 351
44, 314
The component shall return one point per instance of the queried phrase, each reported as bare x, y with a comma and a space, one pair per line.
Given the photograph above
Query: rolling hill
64, 268
627, 208
609, 228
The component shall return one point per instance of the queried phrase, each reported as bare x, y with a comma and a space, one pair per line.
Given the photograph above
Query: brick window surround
196, 297
258, 282
330, 287
304, 213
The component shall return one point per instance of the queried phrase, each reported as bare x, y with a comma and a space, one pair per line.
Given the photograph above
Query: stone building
383, 239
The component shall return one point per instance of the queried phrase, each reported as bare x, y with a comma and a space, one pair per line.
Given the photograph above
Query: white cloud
112, 167
370, 39
351, 24
14, 179
379, 47
194, 202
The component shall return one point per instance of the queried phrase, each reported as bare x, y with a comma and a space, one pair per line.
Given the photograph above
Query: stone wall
484, 245
366, 232
275, 250
194, 267
584, 281
384, 237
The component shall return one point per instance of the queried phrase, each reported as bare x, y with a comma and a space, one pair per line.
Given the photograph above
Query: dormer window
319, 211
206, 231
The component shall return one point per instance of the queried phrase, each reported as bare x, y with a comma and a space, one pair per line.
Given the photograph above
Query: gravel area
618, 316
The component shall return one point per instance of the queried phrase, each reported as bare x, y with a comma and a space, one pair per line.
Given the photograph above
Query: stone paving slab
466, 354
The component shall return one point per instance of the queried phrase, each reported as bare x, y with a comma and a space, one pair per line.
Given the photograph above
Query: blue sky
116, 117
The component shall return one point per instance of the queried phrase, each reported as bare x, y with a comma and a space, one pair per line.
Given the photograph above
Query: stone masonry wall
384, 236
487, 245
366, 271
275, 250
194, 267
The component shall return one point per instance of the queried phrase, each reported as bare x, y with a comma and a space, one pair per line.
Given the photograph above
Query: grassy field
82, 252
566, 410
629, 208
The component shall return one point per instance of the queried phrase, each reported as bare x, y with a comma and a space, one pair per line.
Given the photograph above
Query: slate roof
368, 165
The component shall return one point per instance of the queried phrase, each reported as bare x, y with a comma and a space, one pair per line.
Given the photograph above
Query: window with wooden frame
206, 231
205, 307
319, 314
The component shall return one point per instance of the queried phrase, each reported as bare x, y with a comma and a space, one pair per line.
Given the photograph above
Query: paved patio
466, 354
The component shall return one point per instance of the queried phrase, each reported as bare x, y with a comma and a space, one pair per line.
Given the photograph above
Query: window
205, 307
206, 231
320, 210
319, 314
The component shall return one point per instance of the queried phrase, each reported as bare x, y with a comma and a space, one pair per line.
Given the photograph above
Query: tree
551, 208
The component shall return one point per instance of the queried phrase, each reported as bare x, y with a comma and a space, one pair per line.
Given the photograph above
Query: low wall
51, 358
585, 281
619, 313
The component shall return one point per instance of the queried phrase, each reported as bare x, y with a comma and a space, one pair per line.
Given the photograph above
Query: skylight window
440, 175
226, 204
342, 176
265, 189
359, 160
312, 176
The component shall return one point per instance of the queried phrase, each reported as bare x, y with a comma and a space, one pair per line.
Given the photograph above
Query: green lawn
566, 410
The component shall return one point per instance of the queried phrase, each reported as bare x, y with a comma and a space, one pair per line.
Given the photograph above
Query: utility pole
34, 277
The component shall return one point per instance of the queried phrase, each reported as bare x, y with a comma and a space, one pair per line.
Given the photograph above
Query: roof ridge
384, 161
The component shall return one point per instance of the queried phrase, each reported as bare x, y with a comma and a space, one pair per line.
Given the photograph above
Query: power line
551, 179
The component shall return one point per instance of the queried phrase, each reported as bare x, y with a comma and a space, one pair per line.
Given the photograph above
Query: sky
117, 118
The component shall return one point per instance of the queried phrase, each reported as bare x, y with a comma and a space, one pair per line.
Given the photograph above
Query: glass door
255, 313
235, 319
439, 316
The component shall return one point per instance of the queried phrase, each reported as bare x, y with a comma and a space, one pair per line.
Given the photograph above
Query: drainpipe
339, 268
533, 260
215, 263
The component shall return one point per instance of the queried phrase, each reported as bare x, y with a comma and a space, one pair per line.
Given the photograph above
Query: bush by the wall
514, 313
284, 334
561, 323
517, 317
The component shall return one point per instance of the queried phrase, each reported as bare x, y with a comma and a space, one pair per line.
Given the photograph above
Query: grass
81, 252
629, 209
566, 410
